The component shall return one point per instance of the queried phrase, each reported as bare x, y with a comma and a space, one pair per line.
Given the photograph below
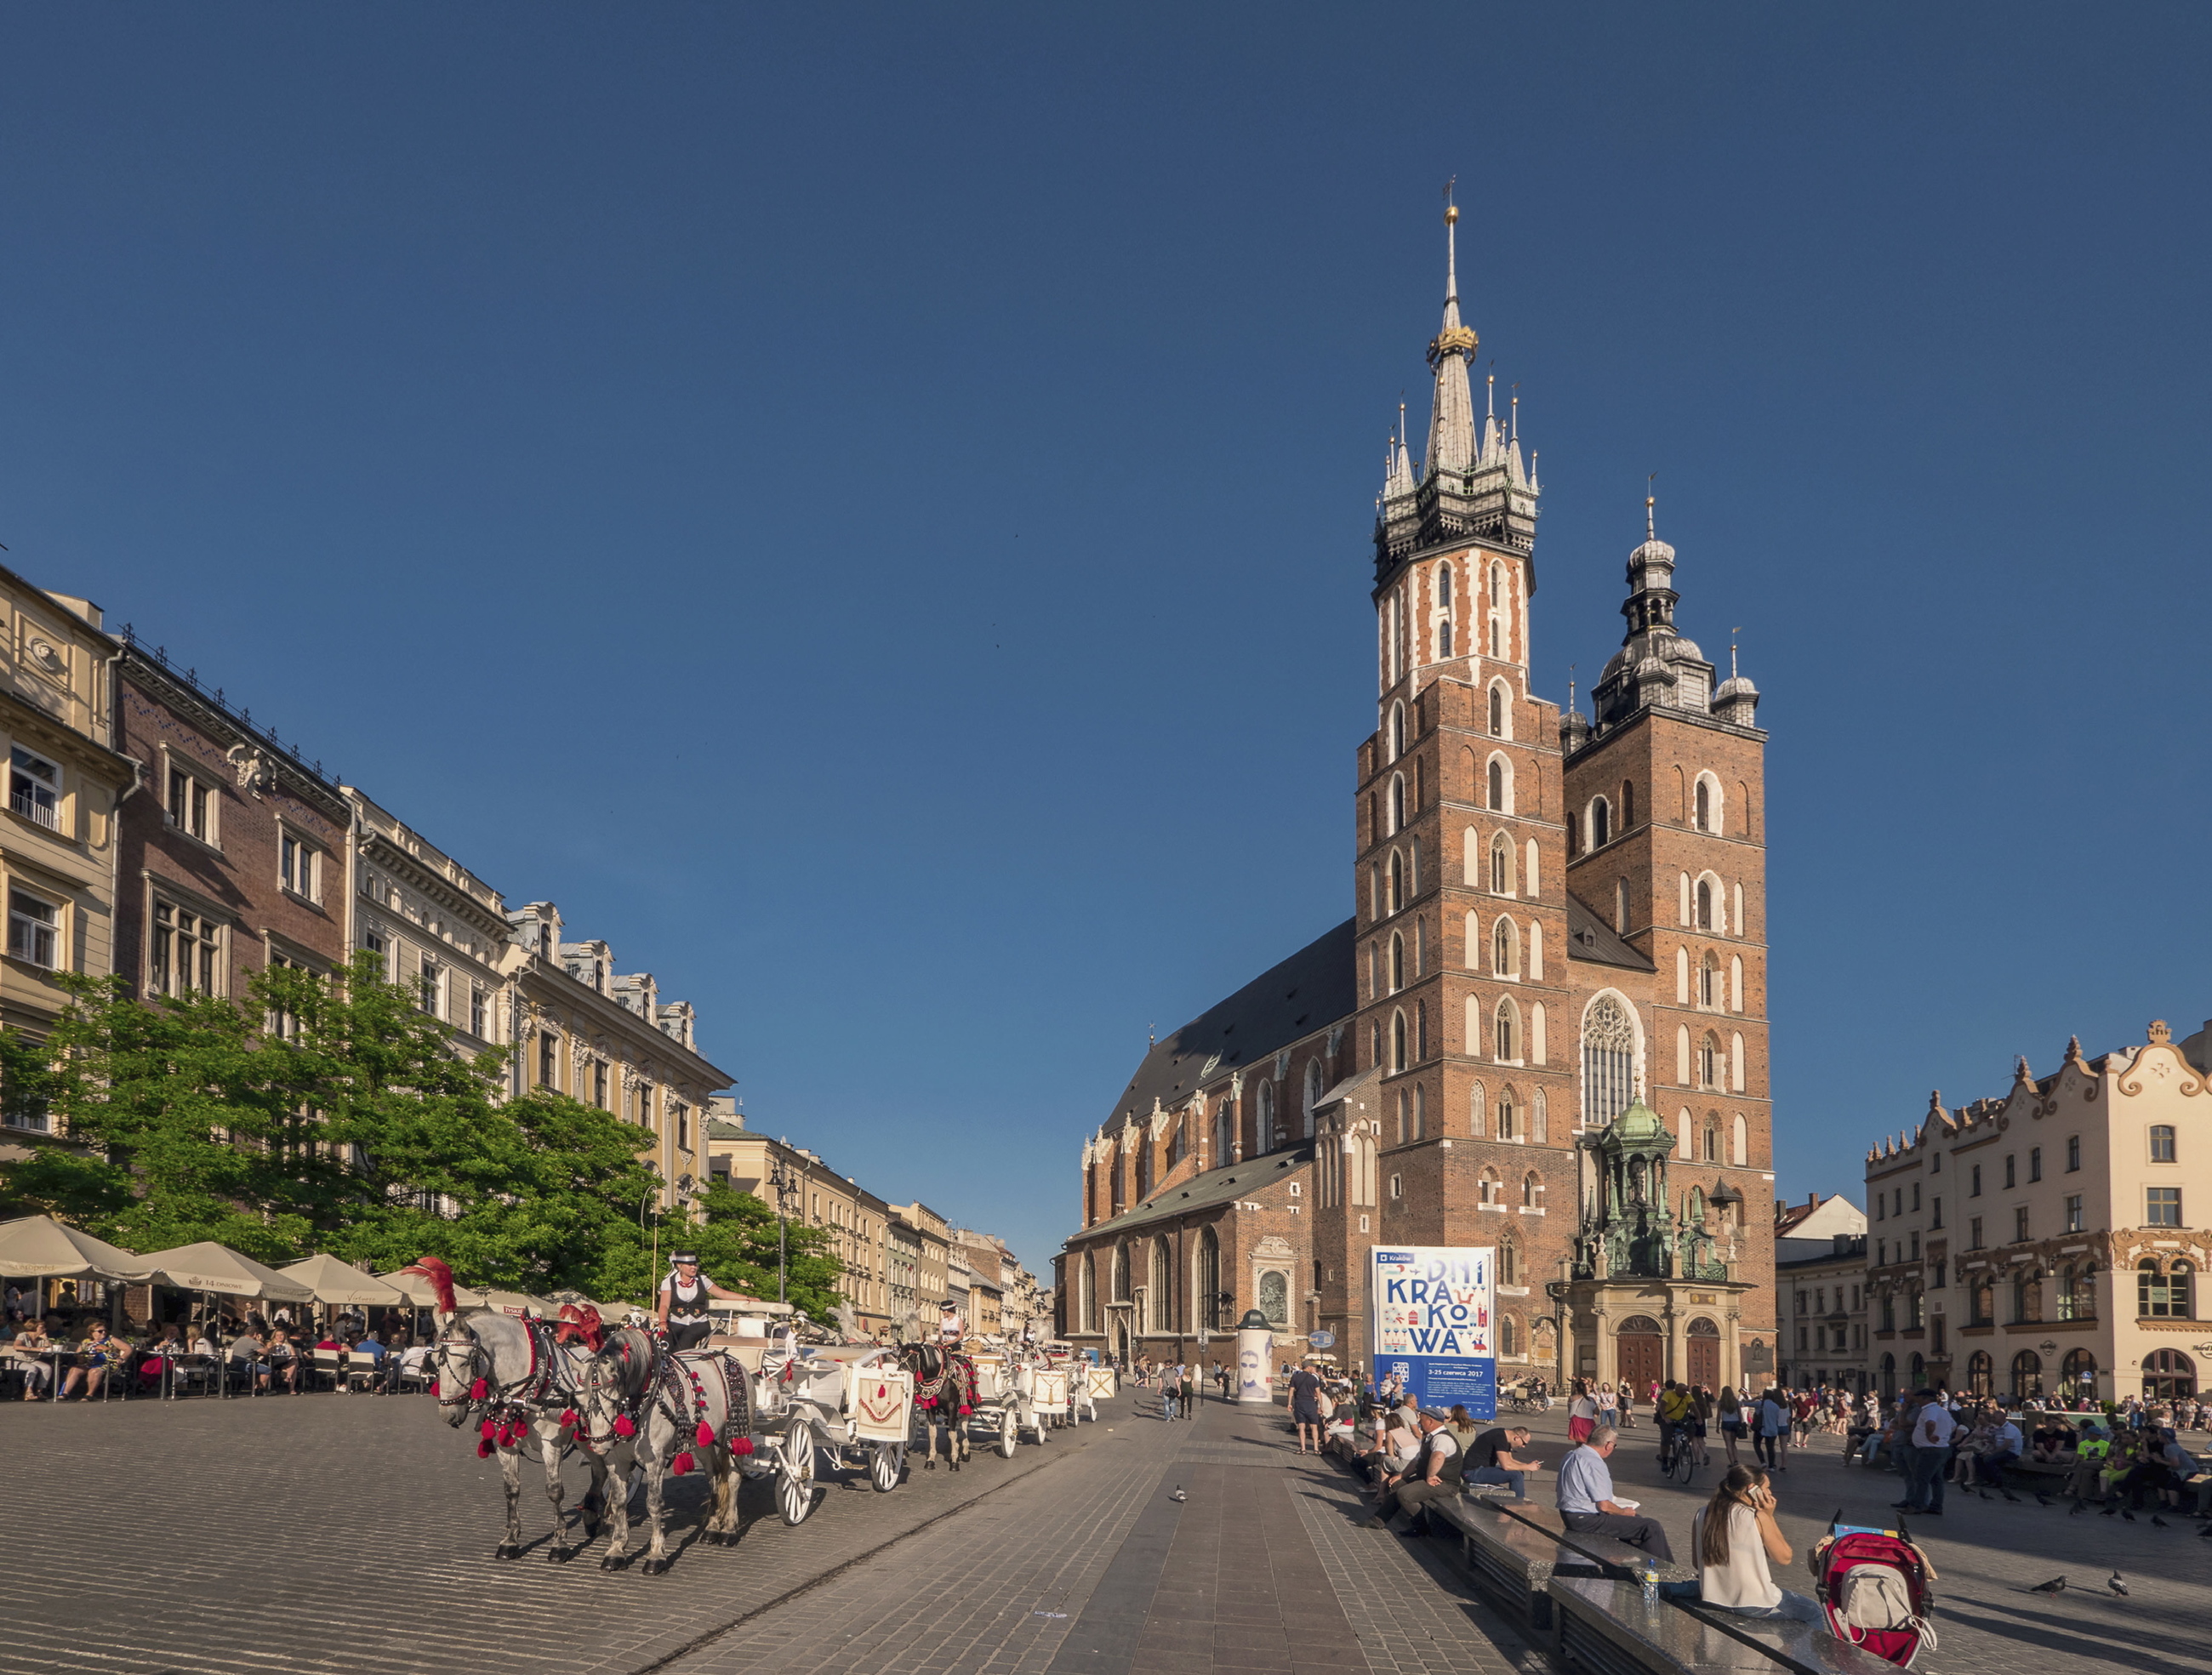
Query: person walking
1305, 1409
1171, 1392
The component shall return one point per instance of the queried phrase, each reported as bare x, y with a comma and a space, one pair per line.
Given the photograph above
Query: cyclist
1675, 1408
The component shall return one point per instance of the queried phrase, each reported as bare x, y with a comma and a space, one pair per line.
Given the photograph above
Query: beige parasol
40, 1248
341, 1283
209, 1266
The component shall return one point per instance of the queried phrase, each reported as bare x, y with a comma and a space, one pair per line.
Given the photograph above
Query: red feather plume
433, 1269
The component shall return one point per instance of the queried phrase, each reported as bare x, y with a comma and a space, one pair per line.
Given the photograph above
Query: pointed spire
1451, 411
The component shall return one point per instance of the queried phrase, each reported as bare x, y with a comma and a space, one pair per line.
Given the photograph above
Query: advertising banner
1431, 1306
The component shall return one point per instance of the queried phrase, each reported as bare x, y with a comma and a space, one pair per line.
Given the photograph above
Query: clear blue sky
869, 509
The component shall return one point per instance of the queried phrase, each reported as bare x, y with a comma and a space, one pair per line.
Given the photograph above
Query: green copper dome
1638, 1125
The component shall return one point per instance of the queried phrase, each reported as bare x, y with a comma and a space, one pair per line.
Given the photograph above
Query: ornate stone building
2041, 1241
1555, 918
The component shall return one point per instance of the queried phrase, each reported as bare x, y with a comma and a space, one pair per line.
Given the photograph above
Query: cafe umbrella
41, 1248
217, 1270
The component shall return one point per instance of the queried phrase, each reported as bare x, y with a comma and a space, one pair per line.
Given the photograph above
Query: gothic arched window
1397, 731
1601, 822
1397, 802
1501, 864
1266, 1116
1496, 713
1608, 1061
1313, 1093
1497, 786
1504, 948
1398, 1041
1704, 807
1395, 897
1397, 963
1508, 1033
1444, 639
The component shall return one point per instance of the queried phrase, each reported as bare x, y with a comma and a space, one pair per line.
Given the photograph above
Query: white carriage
1005, 1401
852, 1402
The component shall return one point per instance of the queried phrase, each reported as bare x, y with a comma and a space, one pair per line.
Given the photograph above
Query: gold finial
1451, 209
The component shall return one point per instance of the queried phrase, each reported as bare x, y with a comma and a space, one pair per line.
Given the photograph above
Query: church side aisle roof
1590, 938
1215, 1186
1311, 990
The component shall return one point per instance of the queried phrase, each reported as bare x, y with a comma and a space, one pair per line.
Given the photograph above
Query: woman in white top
1582, 1415
1734, 1537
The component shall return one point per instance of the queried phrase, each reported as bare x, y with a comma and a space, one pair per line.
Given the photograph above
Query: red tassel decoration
487, 1430
625, 1426
567, 1418
965, 1410
478, 1391
483, 1451
744, 1445
706, 1435
682, 1463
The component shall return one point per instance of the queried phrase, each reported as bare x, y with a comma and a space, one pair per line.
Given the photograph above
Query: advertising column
1255, 1354
1431, 1307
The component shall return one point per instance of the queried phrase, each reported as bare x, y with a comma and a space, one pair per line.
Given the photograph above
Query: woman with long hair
1582, 1416
1734, 1541
1732, 1425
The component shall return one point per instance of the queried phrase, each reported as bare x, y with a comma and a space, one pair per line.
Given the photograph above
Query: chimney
1812, 1200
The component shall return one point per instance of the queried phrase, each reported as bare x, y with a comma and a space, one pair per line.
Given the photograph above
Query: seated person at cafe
2000, 1449
31, 1343
93, 1356
248, 1353
1587, 1505
284, 1359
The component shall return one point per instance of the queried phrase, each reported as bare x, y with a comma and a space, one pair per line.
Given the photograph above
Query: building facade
234, 853
1559, 924
437, 929
2041, 1241
68, 778
581, 1029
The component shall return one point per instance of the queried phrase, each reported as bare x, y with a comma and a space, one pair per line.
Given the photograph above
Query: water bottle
1650, 1582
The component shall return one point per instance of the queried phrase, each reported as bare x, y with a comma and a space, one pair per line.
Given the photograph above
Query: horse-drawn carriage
1006, 1397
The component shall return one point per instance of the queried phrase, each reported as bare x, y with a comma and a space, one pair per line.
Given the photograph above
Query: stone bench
1511, 1561
1614, 1558
1606, 1628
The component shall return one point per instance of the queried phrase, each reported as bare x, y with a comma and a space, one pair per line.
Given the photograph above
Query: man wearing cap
682, 1310
1434, 1474
951, 1330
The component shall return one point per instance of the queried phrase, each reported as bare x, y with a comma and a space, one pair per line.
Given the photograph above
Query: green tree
317, 1115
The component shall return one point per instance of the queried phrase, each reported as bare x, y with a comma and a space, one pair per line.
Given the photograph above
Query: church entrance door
1704, 1355
1641, 1353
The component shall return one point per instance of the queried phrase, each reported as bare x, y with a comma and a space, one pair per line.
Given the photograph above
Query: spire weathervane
1455, 338
1732, 634
1649, 504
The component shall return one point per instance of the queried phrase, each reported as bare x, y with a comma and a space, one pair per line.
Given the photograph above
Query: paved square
322, 1533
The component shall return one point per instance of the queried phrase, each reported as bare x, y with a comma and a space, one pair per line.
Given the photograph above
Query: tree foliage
312, 1115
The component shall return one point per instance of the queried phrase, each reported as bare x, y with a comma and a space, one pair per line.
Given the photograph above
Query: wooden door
1643, 1357
1704, 1362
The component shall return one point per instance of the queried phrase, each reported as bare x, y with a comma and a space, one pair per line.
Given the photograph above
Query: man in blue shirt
1586, 1502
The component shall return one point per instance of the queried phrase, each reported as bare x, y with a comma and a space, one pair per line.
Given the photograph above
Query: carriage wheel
794, 1484
885, 1466
1009, 1433
1043, 1427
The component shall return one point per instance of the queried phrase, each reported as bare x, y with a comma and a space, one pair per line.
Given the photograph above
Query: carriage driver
683, 1311
951, 1328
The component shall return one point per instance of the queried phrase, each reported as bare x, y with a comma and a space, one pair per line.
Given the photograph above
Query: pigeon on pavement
2056, 1585
1178, 1495
2118, 1587
2160, 1521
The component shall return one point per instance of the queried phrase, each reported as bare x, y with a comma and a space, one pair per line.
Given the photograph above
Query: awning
420, 1292
336, 1282
209, 1266
40, 1248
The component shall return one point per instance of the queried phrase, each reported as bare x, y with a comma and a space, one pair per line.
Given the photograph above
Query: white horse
680, 1413
519, 1384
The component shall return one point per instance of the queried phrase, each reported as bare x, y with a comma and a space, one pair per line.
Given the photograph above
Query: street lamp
780, 1180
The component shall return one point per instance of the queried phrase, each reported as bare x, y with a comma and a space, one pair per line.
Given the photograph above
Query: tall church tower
1459, 1116
1666, 838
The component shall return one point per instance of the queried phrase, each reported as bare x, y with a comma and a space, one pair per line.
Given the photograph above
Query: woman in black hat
682, 1310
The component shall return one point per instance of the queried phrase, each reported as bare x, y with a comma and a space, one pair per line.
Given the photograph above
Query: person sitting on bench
1586, 1502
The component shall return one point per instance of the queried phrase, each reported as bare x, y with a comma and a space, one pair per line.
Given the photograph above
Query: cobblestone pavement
324, 1533
1987, 1554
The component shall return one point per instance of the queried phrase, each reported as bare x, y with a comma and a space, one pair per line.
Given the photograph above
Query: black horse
943, 1397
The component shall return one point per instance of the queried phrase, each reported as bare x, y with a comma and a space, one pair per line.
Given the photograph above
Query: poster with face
1432, 1307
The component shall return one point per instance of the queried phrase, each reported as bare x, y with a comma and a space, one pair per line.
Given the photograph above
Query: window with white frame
430, 989
478, 1010
34, 929
192, 805
296, 866
34, 787
371, 941
183, 956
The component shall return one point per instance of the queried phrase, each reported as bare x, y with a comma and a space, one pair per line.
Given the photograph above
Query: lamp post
780, 1180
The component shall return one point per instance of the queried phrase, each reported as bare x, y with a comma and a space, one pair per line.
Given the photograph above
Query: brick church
1544, 1027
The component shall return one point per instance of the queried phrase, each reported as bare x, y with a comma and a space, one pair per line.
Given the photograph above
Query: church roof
1590, 938
1311, 990
1215, 1186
